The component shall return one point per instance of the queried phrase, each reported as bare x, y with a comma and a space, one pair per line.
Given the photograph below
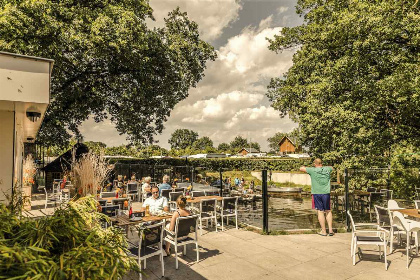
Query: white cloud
282, 9
231, 100
212, 16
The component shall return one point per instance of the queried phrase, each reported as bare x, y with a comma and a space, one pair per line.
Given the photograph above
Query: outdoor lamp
33, 116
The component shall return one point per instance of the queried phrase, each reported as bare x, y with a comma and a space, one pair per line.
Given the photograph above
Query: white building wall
6, 153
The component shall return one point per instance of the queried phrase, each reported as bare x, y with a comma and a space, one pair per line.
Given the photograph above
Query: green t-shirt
320, 179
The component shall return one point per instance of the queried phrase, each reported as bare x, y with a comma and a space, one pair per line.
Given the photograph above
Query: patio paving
240, 254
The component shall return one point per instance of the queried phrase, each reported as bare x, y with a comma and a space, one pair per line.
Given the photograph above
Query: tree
238, 143
255, 145
182, 138
223, 147
96, 147
108, 63
353, 87
203, 143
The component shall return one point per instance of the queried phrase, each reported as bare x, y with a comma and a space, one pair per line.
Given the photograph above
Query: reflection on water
288, 214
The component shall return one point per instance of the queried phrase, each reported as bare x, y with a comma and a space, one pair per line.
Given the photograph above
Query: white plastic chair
417, 204
393, 205
379, 239
409, 227
54, 198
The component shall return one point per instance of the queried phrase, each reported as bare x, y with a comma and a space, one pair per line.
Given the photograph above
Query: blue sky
230, 100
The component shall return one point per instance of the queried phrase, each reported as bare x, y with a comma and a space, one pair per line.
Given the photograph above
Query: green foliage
405, 171
245, 164
70, 244
96, 147
203, 144
108, 63
182, 138
238, 143
223, 147
354, 84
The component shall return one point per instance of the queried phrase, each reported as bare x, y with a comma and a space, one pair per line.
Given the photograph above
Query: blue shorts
321, 202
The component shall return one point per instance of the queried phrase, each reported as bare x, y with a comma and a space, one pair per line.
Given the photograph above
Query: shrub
70, 244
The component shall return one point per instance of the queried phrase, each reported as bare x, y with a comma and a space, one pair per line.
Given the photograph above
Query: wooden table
200, 198
414, 213
124, 220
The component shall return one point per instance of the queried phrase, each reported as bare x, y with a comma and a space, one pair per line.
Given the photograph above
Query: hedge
223, 163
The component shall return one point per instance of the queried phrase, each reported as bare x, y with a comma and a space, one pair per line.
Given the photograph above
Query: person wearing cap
320, 189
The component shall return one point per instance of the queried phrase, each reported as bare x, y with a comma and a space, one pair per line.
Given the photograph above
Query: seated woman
146, 187
181, 203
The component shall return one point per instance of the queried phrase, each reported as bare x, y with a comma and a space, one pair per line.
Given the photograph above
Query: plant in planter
70, 244
89, 173
29, 171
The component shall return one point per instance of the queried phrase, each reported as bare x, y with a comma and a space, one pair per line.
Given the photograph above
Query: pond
288, 213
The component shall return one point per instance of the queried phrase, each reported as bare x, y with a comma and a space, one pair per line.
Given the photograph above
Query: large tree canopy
107, 61
354, 84
182, 138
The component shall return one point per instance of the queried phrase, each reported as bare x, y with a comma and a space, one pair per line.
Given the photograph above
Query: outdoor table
362, 194
124, 220
413, 213
200, 198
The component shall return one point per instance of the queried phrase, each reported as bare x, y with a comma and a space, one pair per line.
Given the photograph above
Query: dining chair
378, 239
149, 245
208, 212
180, 237
229, 209
409, 227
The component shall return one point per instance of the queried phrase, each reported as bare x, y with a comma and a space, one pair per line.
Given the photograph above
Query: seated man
156, 203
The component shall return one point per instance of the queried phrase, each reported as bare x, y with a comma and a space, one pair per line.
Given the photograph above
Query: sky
231, 99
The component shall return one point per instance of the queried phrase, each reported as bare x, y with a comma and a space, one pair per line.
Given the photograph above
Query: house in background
24, 98
62, 164
248, 152
287, 146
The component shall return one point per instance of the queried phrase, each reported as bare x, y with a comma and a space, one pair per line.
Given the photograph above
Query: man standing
320, 189
164, 185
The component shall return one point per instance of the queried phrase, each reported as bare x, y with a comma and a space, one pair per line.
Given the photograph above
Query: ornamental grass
70, 244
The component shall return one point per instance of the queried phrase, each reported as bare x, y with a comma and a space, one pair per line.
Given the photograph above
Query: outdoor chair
165, 193
212, 193
121, 203
107, 194
110, 211
392, 205
149, 245
384, 220
52, 199
417, 204
179, 190
418, 193
182, 185
208, 212
183, 227
408, 227
173, 196
229, 209
102, 202
195, 194
132, 190
387, 193
357, 239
